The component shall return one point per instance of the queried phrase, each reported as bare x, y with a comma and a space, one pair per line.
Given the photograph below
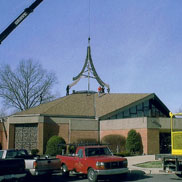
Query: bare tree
2, 112
27, 86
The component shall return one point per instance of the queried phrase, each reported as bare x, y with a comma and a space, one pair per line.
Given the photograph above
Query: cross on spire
88, 71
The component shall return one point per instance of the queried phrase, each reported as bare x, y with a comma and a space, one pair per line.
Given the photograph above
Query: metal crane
19, 19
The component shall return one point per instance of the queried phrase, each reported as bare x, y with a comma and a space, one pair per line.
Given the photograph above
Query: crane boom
19, 19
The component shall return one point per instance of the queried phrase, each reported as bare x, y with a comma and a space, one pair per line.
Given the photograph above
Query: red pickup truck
94, 161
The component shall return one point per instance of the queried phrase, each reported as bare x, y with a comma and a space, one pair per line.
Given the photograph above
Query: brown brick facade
64, 131
3, 135
153, 141
72, 130
75, 135
11, 136
150, 138
50, 129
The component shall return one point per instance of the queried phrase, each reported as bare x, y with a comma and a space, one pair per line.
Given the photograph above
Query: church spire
88, 71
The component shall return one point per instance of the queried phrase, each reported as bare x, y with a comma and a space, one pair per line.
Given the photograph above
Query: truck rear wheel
92, 176
65, 171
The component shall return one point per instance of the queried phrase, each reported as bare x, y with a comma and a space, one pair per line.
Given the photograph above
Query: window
126, 113
139, 107
97, 151
147, 108
120, 115
133, 110
140, 113
11, 154
133, 115
80, 153
153, 111
146, 112
146, 104
1, 154
113, 117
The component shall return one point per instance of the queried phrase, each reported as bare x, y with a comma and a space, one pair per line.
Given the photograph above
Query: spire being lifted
88, 71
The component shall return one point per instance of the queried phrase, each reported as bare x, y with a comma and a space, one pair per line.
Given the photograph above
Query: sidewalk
141, 159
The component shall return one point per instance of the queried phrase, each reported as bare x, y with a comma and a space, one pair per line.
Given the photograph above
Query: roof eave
152, 95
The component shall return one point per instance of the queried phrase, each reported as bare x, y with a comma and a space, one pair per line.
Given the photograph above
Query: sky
136, 45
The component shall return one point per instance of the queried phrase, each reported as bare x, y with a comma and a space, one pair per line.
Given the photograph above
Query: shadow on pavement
175, 178
133, 175
67, 179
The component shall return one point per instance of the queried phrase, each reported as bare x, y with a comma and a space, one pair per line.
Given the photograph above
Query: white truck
34, 166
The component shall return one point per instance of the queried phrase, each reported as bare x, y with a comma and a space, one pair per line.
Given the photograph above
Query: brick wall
75, 135
64, 131
3, 135
143, 133
71, 136
73, 129
153, 141
11, 143
40, 139
50, 129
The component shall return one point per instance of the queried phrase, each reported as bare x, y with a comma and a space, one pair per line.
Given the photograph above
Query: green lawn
150, 164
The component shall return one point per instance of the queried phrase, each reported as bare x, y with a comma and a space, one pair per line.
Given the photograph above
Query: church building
89, 115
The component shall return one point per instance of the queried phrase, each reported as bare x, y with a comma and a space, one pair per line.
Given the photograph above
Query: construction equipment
172, 163
19, 19
176, 137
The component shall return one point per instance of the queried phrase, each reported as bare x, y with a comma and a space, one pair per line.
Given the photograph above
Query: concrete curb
132, 161
147, 170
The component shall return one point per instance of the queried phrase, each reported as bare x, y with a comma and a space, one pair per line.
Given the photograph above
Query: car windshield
97, 151
16, 153
11, 154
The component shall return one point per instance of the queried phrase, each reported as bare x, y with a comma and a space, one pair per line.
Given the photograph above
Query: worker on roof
67, 90
99, 90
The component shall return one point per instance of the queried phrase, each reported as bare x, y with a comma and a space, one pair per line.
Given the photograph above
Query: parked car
94, 161
12, 169
34, 166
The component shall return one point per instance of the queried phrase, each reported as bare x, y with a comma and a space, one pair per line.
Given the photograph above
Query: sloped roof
86, 105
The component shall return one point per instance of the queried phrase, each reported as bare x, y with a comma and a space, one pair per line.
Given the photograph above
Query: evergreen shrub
34, 152
134, 142
123, 154
55, 146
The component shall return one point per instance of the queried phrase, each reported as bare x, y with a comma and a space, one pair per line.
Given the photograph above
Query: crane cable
89, 22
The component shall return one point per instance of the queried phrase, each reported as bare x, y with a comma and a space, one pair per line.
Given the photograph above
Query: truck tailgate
12, 166
48, 164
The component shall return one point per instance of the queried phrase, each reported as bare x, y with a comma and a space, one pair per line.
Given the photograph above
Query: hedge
116, 142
